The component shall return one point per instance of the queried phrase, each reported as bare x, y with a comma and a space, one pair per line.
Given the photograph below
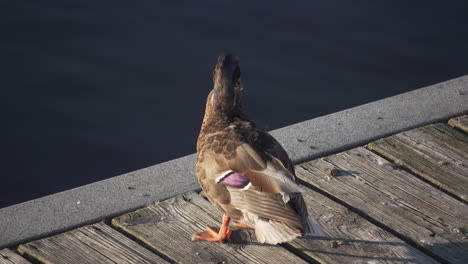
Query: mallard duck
243, 170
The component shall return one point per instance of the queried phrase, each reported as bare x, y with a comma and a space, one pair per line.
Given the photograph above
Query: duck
244, 171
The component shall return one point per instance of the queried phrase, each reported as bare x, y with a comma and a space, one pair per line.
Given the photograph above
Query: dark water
93, 89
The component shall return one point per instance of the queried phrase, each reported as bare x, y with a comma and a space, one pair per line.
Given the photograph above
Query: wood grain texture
436, 152
96, 243
400, 201
460, 122
9, 257
350, 238
168, 227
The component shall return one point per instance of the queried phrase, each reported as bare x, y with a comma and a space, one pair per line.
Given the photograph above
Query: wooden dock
399, 199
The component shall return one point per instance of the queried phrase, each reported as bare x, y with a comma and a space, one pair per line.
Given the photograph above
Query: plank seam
29, 258
73, 227
456, 127
299, 253
139, 242
373, 221
411, 172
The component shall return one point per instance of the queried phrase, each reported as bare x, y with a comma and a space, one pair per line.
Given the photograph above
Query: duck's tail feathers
272, 232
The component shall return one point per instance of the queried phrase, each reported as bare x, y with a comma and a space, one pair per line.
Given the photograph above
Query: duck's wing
262, 170
270, 145
262, 189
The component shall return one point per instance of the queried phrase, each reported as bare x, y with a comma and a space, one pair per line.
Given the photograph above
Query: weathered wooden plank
436, 152
9, 257
350, 238
460, 122
410, 207
96, 243
169, 226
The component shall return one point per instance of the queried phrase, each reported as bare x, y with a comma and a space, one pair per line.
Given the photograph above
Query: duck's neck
217, 118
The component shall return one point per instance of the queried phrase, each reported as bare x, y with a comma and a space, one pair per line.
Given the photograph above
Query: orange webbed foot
212, 235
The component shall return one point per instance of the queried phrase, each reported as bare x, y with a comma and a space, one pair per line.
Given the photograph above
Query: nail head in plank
9, 257
96, 243
436, 152
406, 205
168, 227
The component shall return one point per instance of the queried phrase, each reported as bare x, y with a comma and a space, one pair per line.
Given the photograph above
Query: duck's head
227, 84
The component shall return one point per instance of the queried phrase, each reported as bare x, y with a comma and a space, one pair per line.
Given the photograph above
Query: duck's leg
221, 236
243, 226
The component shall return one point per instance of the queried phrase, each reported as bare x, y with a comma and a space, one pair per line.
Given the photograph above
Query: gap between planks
97, 243
394, 199
460, 122
9, 257
437, 153
168, 226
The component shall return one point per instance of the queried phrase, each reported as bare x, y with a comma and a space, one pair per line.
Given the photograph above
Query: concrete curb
358, 125
304, 141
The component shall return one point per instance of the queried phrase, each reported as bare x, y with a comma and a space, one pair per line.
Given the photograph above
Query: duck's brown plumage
243, 170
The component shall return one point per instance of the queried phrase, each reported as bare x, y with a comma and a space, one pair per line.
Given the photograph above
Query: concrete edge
359, 125
304, 141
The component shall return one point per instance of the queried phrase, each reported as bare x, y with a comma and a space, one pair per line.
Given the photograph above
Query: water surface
94, 89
